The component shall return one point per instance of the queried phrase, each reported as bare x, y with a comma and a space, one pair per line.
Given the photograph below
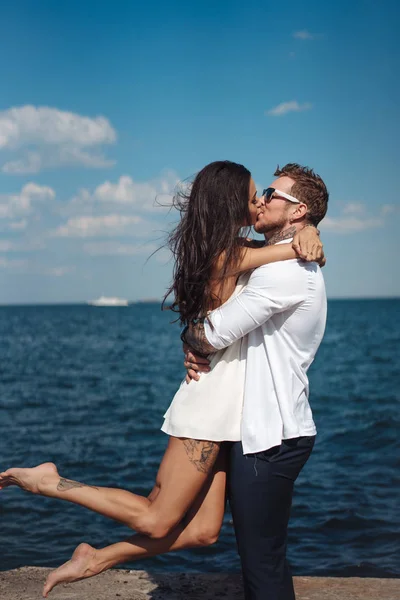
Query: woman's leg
200, 527
183, 472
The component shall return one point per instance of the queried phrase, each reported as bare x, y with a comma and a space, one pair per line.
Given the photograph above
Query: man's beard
271, 228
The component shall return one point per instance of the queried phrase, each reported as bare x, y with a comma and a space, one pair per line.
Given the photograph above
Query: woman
186, 506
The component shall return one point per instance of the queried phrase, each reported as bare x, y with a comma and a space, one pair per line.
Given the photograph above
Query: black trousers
260, 496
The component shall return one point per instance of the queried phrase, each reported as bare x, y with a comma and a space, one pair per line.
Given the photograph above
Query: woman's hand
308, 245
194, 364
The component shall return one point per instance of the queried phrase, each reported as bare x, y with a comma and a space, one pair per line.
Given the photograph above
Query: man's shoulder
294, 274
283, 267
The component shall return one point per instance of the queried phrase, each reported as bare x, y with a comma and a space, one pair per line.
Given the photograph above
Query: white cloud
125, 194
17, 246
353, 218
18, 225
303, 34
126, 191
75, 155
41, 192
57, 138
31, 163
30, 267
7, 246
88, 226
388, 209
58, 271
5, 263
350, 224
287, 107
21, 204
31, 124
117, 249
142, 195
354, 208
159, 253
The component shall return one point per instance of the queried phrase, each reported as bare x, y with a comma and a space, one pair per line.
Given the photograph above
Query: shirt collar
288, 241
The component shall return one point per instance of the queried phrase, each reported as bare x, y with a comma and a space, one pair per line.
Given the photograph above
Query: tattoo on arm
201, 454
68, 484
195, 337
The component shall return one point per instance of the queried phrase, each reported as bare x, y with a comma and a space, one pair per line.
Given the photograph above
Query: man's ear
300, 211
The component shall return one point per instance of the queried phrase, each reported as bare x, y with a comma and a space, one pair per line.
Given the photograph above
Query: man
281, 315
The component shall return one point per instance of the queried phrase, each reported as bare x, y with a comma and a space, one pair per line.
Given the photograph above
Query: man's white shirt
281, 314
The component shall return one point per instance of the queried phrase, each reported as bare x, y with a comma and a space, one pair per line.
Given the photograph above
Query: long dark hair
212, 214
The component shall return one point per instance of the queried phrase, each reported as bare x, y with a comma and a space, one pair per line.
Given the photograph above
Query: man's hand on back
194, 364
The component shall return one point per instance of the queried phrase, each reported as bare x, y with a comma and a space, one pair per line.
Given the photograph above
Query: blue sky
105, 105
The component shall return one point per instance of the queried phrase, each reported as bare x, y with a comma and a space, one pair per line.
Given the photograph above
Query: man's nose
260, 202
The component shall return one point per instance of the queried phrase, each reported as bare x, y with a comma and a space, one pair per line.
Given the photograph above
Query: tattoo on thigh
201, 454
68, 484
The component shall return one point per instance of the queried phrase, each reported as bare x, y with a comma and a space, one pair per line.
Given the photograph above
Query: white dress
211, 408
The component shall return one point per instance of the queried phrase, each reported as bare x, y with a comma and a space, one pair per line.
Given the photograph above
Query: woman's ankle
48, 484
100, 562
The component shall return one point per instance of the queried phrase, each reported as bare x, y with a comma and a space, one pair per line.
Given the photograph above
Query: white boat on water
108, 301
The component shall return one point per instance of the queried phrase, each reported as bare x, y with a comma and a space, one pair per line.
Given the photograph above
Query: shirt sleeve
271, 289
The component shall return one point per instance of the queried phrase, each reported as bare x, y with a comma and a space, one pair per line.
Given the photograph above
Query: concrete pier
27, 583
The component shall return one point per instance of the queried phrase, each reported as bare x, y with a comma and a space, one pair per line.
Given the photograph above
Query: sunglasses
267, 193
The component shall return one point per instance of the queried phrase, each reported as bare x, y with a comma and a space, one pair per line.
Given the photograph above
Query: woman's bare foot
81, 566
28, 479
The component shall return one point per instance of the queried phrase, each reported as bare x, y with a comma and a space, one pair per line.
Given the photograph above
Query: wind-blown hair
211, 215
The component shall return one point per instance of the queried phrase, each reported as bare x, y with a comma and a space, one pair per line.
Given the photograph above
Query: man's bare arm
194, 336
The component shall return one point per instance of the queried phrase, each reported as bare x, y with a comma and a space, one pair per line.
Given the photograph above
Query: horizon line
155, 301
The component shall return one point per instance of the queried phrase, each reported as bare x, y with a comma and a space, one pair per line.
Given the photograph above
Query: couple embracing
240, 425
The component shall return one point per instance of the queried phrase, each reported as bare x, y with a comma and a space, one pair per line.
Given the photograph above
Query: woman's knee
160, 530
196, 536
155, 527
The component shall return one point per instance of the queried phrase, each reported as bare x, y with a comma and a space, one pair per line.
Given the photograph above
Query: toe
47, 588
